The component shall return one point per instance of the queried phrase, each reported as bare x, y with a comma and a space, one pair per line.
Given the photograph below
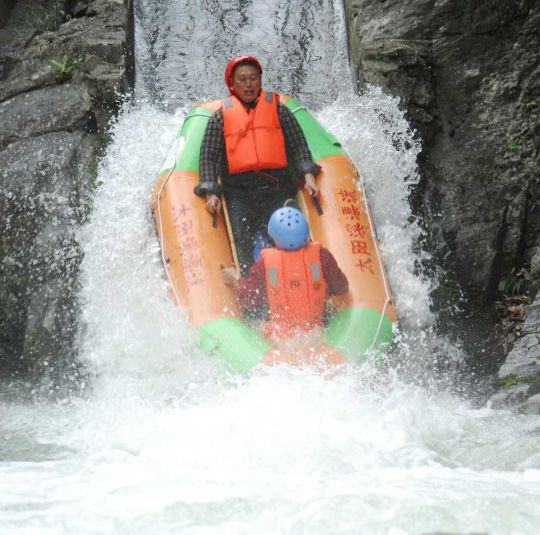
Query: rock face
520, 374
63, 68
5, 10
469, 76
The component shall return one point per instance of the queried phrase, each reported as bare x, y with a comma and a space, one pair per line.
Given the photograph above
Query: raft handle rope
214, 224
299, 108
379, 259
162, 240
197, 114
374, 233
160, 217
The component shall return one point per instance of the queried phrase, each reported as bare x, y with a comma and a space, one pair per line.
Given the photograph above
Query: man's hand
213, 203
230, 276
310, 186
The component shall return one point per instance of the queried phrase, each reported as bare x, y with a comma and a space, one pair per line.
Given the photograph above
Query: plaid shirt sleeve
212, 156
296, 145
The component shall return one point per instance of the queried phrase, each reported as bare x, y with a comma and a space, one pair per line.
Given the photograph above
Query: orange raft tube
194, 250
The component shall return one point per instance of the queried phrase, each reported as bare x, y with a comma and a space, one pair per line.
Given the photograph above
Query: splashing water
163, 442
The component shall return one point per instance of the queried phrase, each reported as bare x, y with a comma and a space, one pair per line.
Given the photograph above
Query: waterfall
163, 441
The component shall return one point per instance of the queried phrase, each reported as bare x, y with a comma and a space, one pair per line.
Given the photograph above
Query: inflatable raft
194, 247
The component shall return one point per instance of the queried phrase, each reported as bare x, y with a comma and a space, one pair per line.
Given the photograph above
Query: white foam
165, 443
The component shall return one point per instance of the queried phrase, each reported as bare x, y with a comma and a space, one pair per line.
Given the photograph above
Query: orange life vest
254, 139
295, 288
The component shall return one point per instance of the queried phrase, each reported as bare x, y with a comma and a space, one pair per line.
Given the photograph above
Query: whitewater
159, 439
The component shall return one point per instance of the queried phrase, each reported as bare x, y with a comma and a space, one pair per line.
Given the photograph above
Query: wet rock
95, 51
50, 109
511, 396
5, 10
531, 405
10, 42
535, 264
44, 193
62, 83
468, 75
51, 327
520, 373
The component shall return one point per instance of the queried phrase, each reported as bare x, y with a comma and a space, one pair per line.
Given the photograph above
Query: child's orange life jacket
295, 287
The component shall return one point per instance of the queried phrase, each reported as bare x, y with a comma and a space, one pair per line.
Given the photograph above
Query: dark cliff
63, 69
468, 76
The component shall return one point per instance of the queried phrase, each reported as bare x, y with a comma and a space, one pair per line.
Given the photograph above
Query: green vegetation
510, 381
448, 295
517, 283
448, 292
513, 380
95, 182
91, 186
66, 66
512, 143
528, 104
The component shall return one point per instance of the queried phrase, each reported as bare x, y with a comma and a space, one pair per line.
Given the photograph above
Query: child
292, 280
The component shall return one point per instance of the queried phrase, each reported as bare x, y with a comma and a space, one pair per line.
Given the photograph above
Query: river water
161, 441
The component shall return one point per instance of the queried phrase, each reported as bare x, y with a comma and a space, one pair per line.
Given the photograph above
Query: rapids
160, 440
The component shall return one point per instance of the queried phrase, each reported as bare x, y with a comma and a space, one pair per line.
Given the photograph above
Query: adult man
291, 280
257, 148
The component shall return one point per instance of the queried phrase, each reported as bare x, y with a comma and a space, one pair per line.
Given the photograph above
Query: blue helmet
288, 228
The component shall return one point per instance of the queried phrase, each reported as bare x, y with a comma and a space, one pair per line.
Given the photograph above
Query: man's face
246, 83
